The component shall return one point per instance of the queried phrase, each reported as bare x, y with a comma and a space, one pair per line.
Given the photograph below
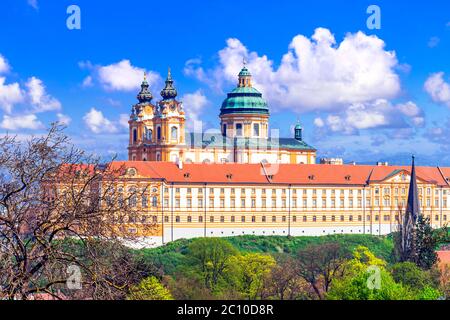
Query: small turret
298, 132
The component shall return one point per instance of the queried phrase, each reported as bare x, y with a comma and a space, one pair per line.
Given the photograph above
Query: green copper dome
244, 99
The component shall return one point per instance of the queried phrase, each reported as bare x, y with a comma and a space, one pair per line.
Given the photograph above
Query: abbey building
158, 130
245, 182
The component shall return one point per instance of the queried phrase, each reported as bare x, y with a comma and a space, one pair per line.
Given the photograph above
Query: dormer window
312, 177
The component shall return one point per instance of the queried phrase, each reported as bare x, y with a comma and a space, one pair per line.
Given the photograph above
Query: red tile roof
277, 174
444, 257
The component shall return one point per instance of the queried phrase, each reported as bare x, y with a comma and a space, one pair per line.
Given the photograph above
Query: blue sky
364, 95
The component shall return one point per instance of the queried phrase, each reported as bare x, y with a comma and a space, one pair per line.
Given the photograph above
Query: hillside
172, 256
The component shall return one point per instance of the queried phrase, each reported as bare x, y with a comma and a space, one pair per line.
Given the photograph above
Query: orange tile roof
315, 174
444, 257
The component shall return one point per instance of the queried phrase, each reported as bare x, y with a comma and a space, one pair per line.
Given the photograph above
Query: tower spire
169, 91
145, 96
412, 213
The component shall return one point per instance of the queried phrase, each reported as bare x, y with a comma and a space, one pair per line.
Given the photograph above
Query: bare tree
320, 264
63, 217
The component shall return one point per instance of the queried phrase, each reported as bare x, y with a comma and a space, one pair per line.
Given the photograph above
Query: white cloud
378, 114
315, 74
438, 88
4, 66
34, 4
64, 119
10, 94
97, 123
123, 120
194, 103
39, 98
87, 82
122, 76
29, 121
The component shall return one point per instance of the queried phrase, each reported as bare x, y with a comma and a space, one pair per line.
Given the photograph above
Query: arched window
149, 134
154, 201
174, 133
159, 133
134, 135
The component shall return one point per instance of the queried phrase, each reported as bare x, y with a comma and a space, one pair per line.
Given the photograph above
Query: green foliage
425, 244
409, 274
249, 272
429, 293
356, 287
149, 289
210, 256
366, 278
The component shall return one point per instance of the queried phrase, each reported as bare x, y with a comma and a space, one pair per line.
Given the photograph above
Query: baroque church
158, 130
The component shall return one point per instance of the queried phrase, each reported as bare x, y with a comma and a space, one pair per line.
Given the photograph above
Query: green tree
425, 244
409, 274
149, 289
209, 256
356, 287
250, 270
366, 278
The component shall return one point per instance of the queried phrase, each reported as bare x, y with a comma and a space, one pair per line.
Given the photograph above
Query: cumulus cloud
120, 76
123, 120
29, 121
195, 103
87, 82
10, 94
40, 99
98, 123
378, 114
438, 88
316, 73
64, 119
4, 66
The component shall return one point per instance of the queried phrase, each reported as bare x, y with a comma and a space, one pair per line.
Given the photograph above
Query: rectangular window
233, 219
253, 203
177, 203
189, 219
256, 129
211, 203
200, 202
222, 203
233, 203
222, 219
263, 218
239, 129
200, 219
242, 203
211, 219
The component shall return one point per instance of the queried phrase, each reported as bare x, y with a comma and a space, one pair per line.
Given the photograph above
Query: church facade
158, 130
